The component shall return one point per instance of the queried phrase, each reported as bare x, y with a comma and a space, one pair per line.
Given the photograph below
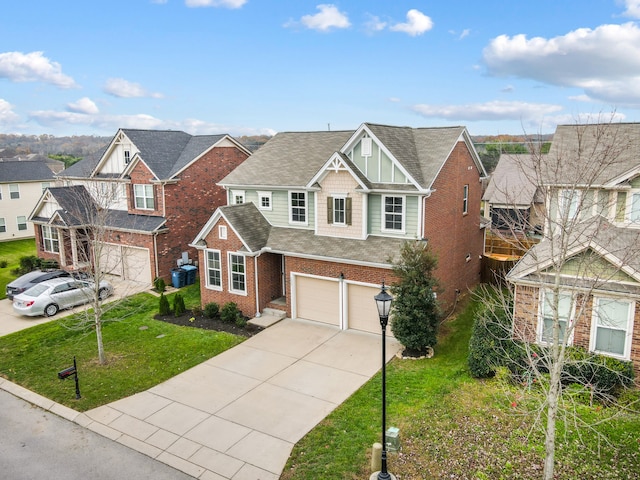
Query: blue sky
248, 67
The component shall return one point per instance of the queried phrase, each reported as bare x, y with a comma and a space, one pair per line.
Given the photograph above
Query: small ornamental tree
415, 313
164, 308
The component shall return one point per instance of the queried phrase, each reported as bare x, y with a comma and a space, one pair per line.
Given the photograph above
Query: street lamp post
383, 302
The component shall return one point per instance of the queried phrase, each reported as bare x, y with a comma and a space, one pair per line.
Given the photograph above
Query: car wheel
103, 293
50, 310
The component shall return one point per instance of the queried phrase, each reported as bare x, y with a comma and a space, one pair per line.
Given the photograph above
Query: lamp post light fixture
383, 302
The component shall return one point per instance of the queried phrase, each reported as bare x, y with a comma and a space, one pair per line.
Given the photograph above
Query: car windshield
36, 290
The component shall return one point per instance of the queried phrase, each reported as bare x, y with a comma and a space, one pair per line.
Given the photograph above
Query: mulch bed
206, 323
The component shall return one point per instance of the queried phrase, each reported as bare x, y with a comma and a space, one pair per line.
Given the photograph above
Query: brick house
313, 219
151, 190
591, 182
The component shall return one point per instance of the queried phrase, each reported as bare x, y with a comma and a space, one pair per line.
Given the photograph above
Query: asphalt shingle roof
591, 155
293, 158
250, 224
24, 171
513, 182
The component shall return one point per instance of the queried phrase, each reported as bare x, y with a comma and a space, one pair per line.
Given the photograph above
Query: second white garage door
321, 300
130, 263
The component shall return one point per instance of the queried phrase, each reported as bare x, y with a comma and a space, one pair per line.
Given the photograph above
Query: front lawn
11, 253
141, 352
456, 427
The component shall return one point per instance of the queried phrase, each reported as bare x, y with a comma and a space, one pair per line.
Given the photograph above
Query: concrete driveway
238, 415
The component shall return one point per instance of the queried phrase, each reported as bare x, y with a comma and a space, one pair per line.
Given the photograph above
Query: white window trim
575, 194
343, 197
404, 214
570, 320
230, 273
0, 192
306, 208
209, 285
11, 192
629, 333
18, 223
262, 195
222, 232
3, 224
144, 197
50, 238
235, 194
629, 206
465, 199
45, 185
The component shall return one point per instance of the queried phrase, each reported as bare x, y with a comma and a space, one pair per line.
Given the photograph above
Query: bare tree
90, 209
572, 289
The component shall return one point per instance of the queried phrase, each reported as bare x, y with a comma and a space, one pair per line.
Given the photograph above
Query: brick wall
191, 201
327, 269
246, 303
454, 236
526, 319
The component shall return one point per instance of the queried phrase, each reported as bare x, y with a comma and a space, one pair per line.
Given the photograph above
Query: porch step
269, 317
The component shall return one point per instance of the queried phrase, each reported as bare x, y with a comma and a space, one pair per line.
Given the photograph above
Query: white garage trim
344, 303
128, 262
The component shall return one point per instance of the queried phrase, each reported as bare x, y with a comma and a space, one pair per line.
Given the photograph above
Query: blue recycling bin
178, 277
190, 271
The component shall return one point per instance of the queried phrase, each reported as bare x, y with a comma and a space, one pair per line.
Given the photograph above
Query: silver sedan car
48, 297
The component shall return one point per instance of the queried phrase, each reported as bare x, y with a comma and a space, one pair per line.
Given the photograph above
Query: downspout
255, 274
155, 253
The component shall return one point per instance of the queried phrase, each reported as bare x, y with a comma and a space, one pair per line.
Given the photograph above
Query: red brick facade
455, 237
526, 321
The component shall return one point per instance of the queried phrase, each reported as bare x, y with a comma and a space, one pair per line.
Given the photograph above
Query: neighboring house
514, 204
149, 191
592, 243
21, 185
315, 217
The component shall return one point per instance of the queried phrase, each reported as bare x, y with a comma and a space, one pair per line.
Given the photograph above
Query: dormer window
127, 157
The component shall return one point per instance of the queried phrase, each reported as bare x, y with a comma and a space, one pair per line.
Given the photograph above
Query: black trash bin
190, 271
178, 277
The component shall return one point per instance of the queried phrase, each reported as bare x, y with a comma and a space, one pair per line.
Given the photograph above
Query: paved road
36, 445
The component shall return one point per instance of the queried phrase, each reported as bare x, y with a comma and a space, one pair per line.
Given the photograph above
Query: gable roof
592, 155
165, 152
287, 159
619, 246
248, 223
75, 206
293, 159
24, 171
513, 182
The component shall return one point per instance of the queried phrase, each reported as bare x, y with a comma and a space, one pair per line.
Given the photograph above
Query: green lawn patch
456, 427
11, 253
141, 353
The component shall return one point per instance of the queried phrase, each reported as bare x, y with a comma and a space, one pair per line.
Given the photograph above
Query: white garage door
361, 308
317, 299
136, 264
131, 263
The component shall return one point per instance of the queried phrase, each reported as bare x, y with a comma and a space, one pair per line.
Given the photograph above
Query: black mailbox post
71, 371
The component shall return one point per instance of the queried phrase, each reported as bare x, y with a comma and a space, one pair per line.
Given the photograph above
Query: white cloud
121, 88
495, 110
374, 24
110, 123
83, 105
604, 62
215, 3
7, 115
465, 33
327, 19
632, 8
33, 67
417, 23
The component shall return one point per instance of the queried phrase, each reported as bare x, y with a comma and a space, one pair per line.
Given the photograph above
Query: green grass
11, 252
141, 353
456, 427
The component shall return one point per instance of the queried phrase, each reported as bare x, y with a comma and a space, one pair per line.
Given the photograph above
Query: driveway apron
238, 415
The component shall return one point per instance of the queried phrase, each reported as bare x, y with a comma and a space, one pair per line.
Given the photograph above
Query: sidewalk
238, 415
